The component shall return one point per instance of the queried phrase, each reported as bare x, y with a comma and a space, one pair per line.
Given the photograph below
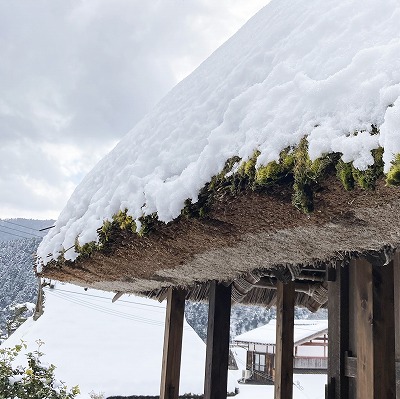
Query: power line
46, 228
21, 231
105, 310
102, 309
119, 300
16, 235
20, 225
98, 299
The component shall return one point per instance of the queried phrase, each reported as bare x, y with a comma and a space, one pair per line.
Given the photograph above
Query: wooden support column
39, 301
217, 355
171, 363
338, 330
396, 271
284, 341
375, 329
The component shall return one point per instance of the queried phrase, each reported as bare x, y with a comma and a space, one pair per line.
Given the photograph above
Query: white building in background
310, 350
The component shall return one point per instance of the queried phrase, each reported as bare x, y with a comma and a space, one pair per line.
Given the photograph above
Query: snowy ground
116, 348
306, 386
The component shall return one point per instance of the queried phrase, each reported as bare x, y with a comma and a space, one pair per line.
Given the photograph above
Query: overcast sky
76, 75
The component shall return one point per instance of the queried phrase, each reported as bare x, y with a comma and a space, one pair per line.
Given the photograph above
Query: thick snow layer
267, 334
115, 348
325, 69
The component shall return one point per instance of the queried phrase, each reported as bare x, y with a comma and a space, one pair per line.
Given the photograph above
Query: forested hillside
19, 239
17, 279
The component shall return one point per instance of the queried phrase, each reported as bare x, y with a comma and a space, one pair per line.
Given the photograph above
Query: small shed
310, 350
268, 176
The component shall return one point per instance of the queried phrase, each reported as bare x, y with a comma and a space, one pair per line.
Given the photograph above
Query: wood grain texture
171, 363
396, 272
375, 326
284, 341
217, 353
338, 330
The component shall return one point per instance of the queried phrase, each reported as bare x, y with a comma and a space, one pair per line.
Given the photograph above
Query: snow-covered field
116, 348
306, 386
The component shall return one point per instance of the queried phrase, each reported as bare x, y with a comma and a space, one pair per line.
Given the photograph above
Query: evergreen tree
18, 282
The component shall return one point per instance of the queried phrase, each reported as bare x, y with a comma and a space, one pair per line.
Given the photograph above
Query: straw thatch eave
250, 232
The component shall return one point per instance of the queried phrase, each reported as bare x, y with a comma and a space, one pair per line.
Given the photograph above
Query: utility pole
39, 302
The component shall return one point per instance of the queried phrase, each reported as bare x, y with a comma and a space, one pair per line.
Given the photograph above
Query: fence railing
312, 363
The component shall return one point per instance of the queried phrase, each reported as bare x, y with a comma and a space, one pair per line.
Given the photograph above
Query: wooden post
171, 363
217, 354
375, 326
396, 270
39, 301
338, 330
284, 341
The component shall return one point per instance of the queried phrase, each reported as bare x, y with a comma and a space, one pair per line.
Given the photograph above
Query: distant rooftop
266, 334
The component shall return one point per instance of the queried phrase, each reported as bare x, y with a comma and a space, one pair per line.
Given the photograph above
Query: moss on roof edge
293, 167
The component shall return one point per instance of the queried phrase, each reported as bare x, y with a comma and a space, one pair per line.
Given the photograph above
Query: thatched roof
268, 163
242, 239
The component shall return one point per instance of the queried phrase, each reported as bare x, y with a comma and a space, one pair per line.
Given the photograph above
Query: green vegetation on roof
294, 168
393, 176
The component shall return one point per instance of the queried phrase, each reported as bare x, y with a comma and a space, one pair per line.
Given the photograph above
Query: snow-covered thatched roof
300, 106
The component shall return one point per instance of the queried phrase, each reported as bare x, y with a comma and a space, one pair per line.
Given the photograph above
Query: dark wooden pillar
171, 363
396, 271
284, 341
375, 329
338, 330
217, 355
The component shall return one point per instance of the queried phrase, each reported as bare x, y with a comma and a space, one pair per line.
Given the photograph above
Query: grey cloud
82, 73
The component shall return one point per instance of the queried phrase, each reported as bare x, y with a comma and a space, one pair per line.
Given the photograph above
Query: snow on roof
266, 334
326, 69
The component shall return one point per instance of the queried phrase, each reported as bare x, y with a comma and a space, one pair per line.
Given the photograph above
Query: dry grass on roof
241, 233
